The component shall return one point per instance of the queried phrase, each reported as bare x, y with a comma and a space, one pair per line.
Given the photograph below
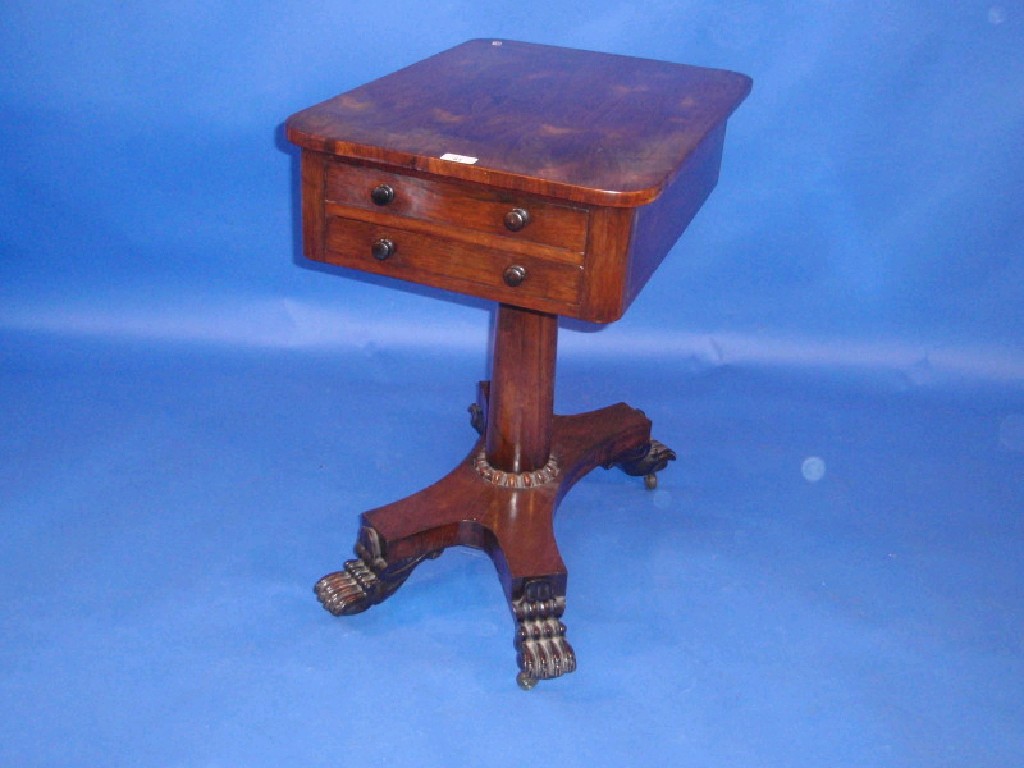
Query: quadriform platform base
553, 182
510, 514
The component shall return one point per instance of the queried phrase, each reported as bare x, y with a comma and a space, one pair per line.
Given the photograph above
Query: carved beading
504, 479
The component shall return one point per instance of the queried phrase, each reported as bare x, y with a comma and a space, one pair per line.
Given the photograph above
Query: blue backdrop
193, 416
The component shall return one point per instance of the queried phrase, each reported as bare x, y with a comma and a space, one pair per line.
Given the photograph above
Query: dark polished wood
587, 127
611, 156
553, 182
518, 435
477, 209
515, 526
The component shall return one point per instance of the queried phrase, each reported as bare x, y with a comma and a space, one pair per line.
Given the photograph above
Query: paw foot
348, 591
647, 462
477, 418
478, 410
542, 652
367, 580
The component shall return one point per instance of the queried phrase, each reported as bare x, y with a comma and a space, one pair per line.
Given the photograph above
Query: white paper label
459, 158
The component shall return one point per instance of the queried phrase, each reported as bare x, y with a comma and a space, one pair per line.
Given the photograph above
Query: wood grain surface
586, 127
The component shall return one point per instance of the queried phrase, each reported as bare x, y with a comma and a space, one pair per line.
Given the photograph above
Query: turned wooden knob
382, 194
383, 249
515, 275
516, 219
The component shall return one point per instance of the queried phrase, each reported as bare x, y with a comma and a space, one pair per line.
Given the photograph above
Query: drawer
548, 285
465, 206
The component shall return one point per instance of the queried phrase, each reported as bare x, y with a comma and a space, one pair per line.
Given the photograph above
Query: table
553, 182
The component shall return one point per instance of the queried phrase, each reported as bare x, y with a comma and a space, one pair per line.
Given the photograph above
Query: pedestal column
522, 394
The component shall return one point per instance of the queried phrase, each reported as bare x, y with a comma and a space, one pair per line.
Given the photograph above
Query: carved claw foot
367, 580
542, 651
351, 590
647, 462
478, 410
477, 418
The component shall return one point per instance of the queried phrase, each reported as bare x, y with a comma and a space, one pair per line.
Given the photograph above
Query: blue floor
166, 509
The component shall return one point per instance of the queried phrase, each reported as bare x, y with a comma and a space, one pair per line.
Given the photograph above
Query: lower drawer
520, 279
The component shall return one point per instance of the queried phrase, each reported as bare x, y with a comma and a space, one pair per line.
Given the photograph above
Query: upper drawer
466, 207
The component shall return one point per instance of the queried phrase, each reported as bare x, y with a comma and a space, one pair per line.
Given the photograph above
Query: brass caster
650, 481
526, 681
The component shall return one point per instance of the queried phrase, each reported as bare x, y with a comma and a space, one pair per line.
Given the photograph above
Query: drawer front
456, 265
459, 205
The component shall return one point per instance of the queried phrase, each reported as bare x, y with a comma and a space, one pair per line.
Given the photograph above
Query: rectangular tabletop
591, 128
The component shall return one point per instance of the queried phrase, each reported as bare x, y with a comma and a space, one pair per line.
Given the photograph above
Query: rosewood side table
554, 182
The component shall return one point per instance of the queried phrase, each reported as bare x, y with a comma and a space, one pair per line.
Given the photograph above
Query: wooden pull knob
515, 275
382, 194
516, 219
383, 249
